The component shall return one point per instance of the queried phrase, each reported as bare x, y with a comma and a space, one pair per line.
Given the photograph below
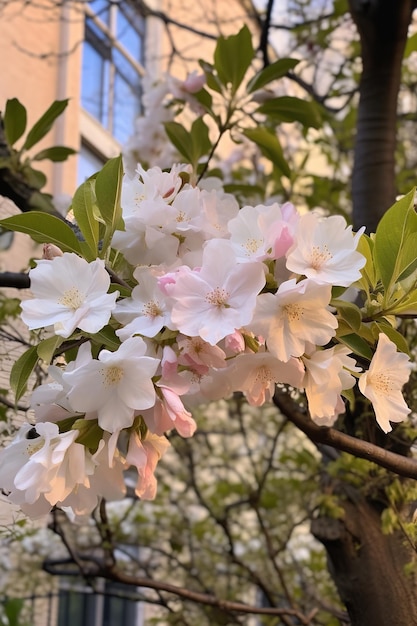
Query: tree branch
404, 466
18, 280
203, 598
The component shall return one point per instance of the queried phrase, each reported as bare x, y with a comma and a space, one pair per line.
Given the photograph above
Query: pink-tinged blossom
235, 342
169, 412
257, 374
41, 466
383, 382
116, 385
144, 455
145, 312
325, 250
328, 373
50, 401
293, 317
69, 293
213, 302
197, 353
105, 480
262, 232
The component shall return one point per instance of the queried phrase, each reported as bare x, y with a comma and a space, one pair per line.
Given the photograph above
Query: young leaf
270, 147
271, 72
47, 347
57, 153
108, 191
44, 124
391, 253
201, 143
83, 209
291, 109
358, 345
21, 371
15, 119
181, 139
43, 228
232, 57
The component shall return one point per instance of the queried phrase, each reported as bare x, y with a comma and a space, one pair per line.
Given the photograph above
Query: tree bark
382, 27
367, 565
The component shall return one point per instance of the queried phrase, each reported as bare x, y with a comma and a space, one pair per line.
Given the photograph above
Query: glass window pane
126, 107
93, 85
88, 164
101, 9
128, 36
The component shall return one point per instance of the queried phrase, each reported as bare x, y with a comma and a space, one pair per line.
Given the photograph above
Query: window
112, 67
115, 605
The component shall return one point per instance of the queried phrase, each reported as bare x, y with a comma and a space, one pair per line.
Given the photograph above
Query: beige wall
40, 57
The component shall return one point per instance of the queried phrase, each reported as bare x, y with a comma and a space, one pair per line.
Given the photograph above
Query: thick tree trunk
368, 566
382, 26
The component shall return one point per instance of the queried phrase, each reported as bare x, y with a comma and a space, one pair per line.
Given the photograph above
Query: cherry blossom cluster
222, 300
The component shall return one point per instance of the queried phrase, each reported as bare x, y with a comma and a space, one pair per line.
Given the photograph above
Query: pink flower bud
194, 82
50, 251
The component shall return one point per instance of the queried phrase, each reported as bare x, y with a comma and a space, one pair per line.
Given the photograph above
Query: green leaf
270, 147
57, 153
108, 191
291, 109
365, 247
83, 206
47, 347
21, 371
44, 123
90, 433
200, 139
107, 337
411, 45
358, 345
271, 72
349, 312
15, 119
394, 335
392, 254
44, 228
232, 57
211, 79
181, 139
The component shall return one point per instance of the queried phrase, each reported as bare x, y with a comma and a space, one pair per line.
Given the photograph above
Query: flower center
294, 312
181, 217
382, 383
218, 297
252, 245
112, 375
151, 309
72, 298
319, 256
263, 375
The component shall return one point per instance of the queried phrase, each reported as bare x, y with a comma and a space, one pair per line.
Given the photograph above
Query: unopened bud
50, 251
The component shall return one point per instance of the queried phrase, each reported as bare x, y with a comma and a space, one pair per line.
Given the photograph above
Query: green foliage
11, 612
21, 371
395, 242
15, 119
232, 58
108, 188
193, 144
19, 164
44, 228
271, 72
291, 109
86, 213
270, 147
